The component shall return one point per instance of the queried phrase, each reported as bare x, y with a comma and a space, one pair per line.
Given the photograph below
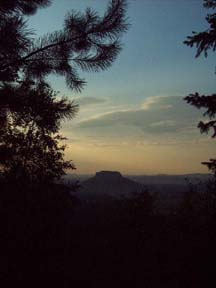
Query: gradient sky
132, 117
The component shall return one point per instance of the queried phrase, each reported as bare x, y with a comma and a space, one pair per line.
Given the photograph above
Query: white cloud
159, 115
155, 102
166, 123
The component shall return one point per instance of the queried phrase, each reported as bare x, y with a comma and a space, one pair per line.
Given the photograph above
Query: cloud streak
90, 101
157, 115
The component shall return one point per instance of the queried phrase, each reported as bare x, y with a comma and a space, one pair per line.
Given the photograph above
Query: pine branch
206, 40
203, 101
205, 127
210, 4
47, 47
211, 164
208, 103
26, 7
87, 41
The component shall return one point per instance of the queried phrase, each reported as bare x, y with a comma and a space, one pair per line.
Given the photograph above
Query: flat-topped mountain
108, 175
109, 183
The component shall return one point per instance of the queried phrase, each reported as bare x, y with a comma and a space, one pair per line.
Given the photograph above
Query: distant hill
106, 185
110, 183
146, 179
113, 183
164, 179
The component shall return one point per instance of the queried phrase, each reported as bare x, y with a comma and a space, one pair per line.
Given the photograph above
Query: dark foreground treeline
43, 244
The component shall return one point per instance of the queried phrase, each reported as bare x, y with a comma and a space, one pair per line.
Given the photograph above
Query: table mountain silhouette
110, 183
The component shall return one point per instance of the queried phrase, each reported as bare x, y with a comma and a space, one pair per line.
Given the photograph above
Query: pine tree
205, 41
30, 149
30, 112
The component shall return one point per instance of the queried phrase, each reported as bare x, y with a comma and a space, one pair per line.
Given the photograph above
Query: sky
132, 117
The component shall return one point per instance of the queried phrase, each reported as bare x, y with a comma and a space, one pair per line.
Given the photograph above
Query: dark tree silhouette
205, 41
27, 7
30, 113
29, 148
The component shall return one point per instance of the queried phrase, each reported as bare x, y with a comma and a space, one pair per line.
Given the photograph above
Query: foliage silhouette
200, 199
29, 147
27, 7
30, 113
205, 41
